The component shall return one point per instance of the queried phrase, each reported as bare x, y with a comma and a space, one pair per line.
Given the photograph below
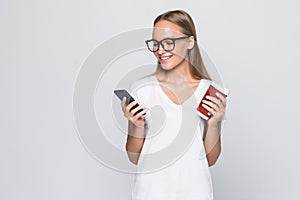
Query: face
171, 59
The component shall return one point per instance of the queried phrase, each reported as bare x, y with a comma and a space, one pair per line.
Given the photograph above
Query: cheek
177, 59
180, 51
181, 54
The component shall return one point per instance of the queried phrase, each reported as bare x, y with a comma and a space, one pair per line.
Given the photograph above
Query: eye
168, 42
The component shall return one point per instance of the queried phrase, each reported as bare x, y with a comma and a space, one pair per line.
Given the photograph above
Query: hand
138, 119
216, 107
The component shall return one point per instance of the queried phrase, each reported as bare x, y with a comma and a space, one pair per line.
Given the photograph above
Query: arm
136, 128
212, 142
135, 142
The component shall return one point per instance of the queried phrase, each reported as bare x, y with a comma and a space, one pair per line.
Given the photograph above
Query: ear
191, 42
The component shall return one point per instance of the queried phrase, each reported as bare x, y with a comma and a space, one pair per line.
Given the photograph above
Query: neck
179, 74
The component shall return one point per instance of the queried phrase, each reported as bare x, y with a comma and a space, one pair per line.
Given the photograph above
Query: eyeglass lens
166, 44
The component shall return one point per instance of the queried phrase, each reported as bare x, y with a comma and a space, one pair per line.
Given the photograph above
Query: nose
160, 49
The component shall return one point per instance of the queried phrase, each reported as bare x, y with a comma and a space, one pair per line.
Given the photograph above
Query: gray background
254, 44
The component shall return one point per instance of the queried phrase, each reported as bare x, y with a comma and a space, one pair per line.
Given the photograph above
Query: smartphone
129, 99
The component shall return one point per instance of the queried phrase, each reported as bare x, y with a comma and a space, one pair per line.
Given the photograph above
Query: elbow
133, 161
211, 162
212, 158
133, 157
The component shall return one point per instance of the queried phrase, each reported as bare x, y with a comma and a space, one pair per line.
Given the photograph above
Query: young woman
180, 75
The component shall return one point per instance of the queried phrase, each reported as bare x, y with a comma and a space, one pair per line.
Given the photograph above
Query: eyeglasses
168, 44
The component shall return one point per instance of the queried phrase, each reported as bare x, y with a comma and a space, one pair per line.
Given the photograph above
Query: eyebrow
173, 37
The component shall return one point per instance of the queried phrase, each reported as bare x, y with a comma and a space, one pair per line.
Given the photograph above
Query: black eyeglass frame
160, 42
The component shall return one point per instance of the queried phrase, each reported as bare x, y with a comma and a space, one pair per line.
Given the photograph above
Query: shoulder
205, 81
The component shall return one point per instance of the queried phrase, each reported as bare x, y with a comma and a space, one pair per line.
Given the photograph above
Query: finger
140, 114
133, 111
123, 104
209, 109
216, 113
211, 104
222, 98
129, 106
219, 103
214, 100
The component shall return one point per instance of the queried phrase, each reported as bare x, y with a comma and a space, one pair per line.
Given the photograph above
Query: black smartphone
129, 99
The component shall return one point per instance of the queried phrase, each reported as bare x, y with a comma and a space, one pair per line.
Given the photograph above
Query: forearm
212, 143
135, 142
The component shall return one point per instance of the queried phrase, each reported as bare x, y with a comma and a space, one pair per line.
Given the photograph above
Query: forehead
164, 29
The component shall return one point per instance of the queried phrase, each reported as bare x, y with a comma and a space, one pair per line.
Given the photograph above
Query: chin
171, 65
168, 66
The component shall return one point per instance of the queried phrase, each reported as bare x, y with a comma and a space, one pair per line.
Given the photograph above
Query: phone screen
129, 99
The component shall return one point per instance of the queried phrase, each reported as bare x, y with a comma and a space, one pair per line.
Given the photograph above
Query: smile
165, 58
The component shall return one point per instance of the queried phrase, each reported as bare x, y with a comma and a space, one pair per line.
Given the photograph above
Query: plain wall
254, 45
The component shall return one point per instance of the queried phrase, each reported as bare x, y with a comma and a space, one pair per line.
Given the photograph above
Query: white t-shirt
172, 164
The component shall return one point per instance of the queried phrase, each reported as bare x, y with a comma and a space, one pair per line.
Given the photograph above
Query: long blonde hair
184, 20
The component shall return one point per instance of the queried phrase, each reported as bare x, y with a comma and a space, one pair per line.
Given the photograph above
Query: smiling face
171, 59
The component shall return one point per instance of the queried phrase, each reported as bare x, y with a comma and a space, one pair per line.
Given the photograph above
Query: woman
180, 74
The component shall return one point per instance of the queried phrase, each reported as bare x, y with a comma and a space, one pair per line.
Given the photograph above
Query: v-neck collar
164, 95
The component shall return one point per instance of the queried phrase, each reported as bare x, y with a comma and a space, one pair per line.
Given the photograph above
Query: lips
165, 58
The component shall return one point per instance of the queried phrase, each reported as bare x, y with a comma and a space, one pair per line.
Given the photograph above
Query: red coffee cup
212, 89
